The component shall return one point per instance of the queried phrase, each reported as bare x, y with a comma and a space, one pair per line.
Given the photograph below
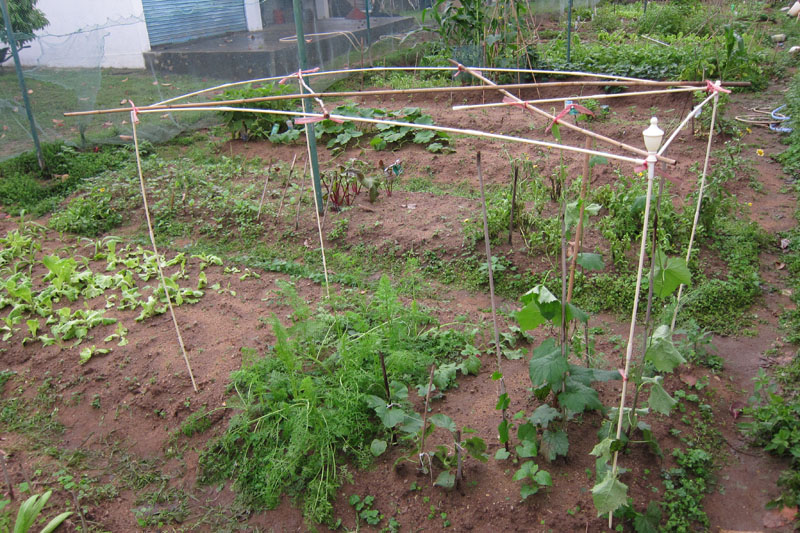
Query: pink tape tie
298, 74
134, 112
565, 111
716, 88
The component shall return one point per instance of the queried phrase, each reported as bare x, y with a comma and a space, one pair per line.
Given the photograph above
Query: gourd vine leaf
609, 495
411, 424
649, 521
669, 273
578, 397
377, 447
502, 454
527, 470
527, 449
503, 401
588, 375
446, 480
476, 448
554, 443
443, 421
590, 261
547, 366
528, 490
502, 431
659, 401
526, 431
597, 160
602, 450
573, 212
470, 365
662, 352
543, 415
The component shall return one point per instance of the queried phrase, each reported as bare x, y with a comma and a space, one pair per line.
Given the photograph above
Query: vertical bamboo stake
5, 475
513, 203
319, 228
299, 199
491, 283
654, 240
286, 187
425, 415
651, 162
134, 121
459, 471
263, 193
699, 201
579, 229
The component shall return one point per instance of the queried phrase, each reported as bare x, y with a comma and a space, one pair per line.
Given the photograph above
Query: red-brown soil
145, 393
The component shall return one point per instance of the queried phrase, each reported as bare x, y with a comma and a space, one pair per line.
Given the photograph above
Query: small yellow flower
466, 220
102, 189
760, 152
748, 130
749, 204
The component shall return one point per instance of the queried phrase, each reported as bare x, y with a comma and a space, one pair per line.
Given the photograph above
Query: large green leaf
662, 352
554, 443
547, 366
578, 397
443, 421
590, 261
659, 401
543, 415
476, 447
377, 447
609, 495
446, 480
602, 449
527, 431
669, 273
589, 375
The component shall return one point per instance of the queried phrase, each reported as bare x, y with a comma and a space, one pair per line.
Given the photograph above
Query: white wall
252, 12
90, 33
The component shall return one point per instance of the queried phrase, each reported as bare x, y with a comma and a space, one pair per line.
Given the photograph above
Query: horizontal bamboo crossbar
545, 114
377, 92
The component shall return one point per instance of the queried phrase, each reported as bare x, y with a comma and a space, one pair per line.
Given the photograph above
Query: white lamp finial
653, 136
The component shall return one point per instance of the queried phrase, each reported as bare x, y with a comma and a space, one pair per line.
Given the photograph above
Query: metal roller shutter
176, 21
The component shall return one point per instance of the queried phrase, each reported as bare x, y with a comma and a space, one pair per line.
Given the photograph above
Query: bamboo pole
286, 187
629, 348
319, 227
579, 228
415, 69
264, 193
684, 122
444, 129
565, 124
697, 209
491, 286
600, 96
134, 120
162, 106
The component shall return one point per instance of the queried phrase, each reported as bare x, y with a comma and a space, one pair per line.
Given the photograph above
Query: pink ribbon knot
715, 87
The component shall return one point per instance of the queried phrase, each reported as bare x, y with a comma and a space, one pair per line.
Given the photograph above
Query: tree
25, 19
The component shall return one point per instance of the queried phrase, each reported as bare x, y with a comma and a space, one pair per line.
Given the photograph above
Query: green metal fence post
12, 43
310, 134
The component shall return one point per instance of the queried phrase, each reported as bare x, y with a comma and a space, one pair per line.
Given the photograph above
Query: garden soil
144, 393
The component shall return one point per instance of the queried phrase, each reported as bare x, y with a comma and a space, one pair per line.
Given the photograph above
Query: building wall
98, 33
90, 33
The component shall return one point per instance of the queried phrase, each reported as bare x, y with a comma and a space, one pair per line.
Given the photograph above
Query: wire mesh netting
148, 51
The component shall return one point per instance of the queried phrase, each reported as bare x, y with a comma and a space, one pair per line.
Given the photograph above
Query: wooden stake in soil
300, 198
263, 193
286, 187
421, 452
587, 178
5, 475
319, 227
491, 285
134, 121
513, 202
629, 349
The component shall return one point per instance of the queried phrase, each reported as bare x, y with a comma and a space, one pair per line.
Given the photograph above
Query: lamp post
652, 141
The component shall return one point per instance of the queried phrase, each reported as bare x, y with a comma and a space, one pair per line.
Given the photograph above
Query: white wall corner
252, 12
